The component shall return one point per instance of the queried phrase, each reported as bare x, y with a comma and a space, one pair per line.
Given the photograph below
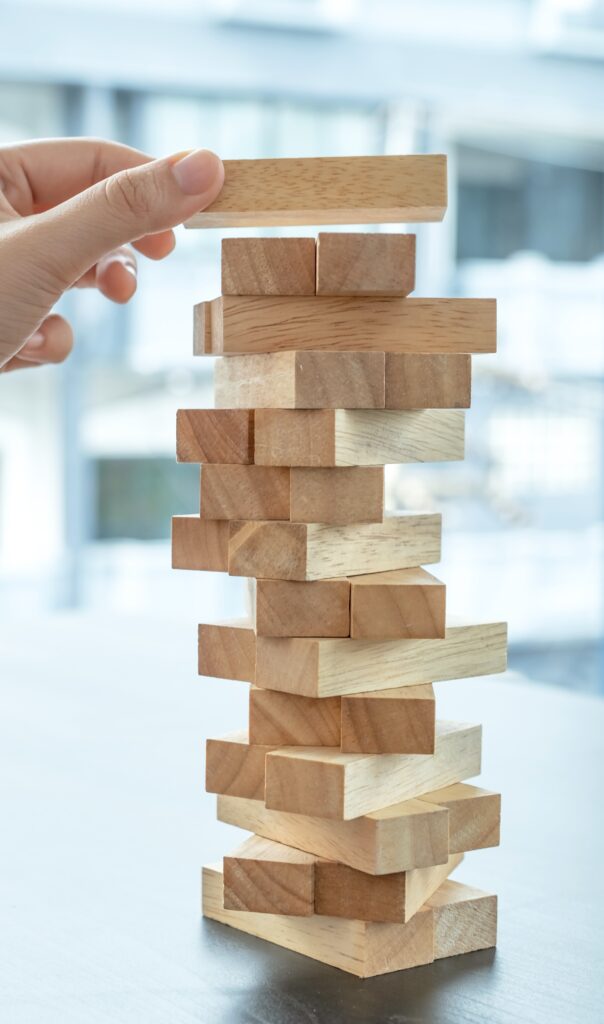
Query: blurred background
513, 92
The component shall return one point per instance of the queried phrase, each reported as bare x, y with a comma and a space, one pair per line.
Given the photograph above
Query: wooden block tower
353, 790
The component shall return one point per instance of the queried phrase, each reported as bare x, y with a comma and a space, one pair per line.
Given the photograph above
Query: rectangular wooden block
248, 324
398, 721
236, 767
200, 543
268, 266
328, 668
474, 815
348, 494
328, 190
465, 919
434, 381
284, 719
250, 492
215, 435
301, 380
291, 608
404, 604
329, 784
268, 878
361, 437
358, 263
227, 650
311, 551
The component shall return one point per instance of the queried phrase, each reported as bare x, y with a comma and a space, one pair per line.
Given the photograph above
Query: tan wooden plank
268, 266
202, 328
250, 492
362, 263
403, 604
227, 650
285, 719
474, 815
236, 767
349, 494
329, 190
465, 919
215, 435
398, 721
433, 381
268, 878
200, 543
291, 608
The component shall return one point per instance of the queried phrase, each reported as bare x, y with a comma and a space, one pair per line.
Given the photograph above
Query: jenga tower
353, 789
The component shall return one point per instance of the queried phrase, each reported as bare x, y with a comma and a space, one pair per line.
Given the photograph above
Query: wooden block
235, 767
311, 551
284, 719
200, 543
411, 834
356, 263
215, 435
434, 381
404, 604
465, 919
329, 784
474, 815
361, 437
341, 891
227, 650
268, 266
290, 608
362, 948
202, 328
248, 324
398, 721
328, 668
348, 494
328, 190
301, 380
268, 878
250, 492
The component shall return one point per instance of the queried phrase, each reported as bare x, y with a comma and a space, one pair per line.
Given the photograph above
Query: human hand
68, 208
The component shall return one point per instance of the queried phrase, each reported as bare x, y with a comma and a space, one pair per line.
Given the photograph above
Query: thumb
137, 201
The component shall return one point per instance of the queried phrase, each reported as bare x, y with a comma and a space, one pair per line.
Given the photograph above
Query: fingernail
36, 341
197, 172
126, 263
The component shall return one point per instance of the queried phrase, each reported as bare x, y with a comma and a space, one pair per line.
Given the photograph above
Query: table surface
105, 827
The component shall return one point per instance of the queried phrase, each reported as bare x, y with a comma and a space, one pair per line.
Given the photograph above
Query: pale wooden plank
250, 492
292, 608
200, 543
236, 767
353, 494
363, 263
465, 919
268, 266
474, 815
227, 650
397, 721
432, 381
265, 877
402, 604
215, 435
283, 719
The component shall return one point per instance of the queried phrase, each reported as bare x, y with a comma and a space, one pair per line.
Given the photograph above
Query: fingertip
117, 279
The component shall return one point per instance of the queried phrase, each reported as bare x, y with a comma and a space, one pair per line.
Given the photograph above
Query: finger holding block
359, 263
268, 266
398, 721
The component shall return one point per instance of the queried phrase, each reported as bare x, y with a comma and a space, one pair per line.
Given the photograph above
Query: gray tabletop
104, 828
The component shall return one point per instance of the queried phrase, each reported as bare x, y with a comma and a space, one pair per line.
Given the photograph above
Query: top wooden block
328, 190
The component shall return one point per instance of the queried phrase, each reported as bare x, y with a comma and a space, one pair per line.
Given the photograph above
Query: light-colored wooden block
248, 324
215, 435
328, 668
328, 190
202, 328
236, 767
404, 604
200, 543
434, 381
465, 919
329, 784
398, 721
283, 719
268, 266
474, 815
349, 494
407, 835
227, 650
290, 608
311, 551
361, 437
268, 878
362, 263
250, 492
301, 380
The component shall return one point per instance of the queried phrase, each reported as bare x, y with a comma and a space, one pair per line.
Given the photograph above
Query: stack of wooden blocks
353, 790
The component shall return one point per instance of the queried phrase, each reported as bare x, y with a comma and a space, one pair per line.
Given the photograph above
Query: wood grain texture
268, 878
227, 650
301, 380
291, 608
236, 767
248, 324
474, 815
215, 436
309, 551
327, 668
329, 784
245, 492
398, 721
434, 381
361, 437
328, 190
403, 604
268, 266
349, 494
465, 919
200, 543
202, 328
362, 263
284, 719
